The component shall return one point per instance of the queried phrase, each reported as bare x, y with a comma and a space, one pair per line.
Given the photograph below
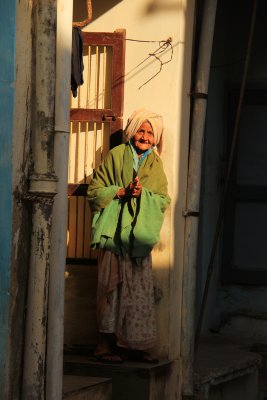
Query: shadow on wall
100, 7
162, 5
80, 318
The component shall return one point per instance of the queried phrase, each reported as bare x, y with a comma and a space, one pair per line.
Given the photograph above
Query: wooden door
96, 125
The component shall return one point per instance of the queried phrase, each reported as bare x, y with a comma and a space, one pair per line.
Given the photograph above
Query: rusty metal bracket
108, 118
199, 95
191, 213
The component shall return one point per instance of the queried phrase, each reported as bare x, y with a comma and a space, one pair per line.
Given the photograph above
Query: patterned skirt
125, 300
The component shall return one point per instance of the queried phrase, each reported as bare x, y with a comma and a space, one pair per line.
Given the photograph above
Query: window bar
77, 155
70, 144
103, 98
104, 77
94, 147
97, 78
79, 96
86, 152
68, 230
102, 140
76, 221
88, 78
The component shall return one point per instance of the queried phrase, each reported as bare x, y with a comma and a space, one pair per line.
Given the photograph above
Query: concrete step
130, 380
86, 388
249, 328
225, 371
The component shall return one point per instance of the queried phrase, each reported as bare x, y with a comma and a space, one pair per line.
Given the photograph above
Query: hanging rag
76, 60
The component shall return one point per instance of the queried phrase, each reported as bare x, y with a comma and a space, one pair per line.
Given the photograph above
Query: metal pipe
193, 194
55, 333
41, 192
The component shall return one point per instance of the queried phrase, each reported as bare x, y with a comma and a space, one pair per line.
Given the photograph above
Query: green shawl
131, 226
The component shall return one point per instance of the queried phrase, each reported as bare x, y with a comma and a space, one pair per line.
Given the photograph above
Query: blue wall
7, 92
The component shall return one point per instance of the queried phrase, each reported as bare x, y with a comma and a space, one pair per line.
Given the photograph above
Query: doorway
244, 249
96, 126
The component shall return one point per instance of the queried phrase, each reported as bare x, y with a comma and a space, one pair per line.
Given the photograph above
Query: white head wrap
136, 120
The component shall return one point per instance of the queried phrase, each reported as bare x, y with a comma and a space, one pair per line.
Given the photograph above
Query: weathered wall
15, 45
7, 92
21, 207
166, 93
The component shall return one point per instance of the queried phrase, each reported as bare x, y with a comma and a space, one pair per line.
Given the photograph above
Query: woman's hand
133, 190
121, 193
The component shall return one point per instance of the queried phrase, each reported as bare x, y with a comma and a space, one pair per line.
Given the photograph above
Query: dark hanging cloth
76, 60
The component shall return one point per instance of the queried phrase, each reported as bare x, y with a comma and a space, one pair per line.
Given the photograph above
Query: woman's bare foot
103, 352
103, 344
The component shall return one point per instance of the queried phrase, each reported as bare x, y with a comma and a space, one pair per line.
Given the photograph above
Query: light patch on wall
162, 5
16, 240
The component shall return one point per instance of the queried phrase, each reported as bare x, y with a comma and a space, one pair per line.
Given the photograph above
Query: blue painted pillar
7, 93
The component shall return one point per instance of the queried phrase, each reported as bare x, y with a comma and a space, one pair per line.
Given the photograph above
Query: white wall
167, 94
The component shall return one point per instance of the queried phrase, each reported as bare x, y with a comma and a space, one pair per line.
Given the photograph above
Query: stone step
130, 380
224, 370
86, 388
249, 328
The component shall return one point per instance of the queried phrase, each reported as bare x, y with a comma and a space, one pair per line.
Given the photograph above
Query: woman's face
144, 138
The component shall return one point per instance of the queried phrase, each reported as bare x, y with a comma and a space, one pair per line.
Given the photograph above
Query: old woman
128, 197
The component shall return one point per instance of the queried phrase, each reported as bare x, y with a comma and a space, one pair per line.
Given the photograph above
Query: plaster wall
166, 93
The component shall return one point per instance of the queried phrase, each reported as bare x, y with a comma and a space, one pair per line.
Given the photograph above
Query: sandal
147, 358
108, 358
139, 355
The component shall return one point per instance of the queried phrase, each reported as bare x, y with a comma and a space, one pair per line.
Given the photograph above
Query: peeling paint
41, 192
15, 242
40, 237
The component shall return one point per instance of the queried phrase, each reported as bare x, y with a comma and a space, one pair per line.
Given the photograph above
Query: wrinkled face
144, 138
